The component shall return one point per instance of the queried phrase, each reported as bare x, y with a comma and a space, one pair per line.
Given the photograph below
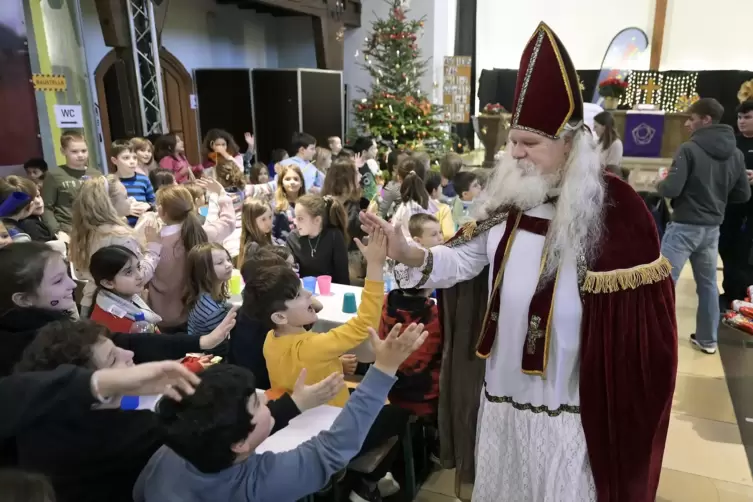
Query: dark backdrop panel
498, 86
321, 99
723, 86
224, 99
20, 129
465, 45
275, 98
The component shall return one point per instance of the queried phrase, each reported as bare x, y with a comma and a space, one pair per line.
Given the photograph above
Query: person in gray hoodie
707, 173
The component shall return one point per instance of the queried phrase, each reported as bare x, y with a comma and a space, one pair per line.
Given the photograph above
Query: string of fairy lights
669, 91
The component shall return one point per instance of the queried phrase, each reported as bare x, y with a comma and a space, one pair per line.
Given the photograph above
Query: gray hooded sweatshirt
707, 173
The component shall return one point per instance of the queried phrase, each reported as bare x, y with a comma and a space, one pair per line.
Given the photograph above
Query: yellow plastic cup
236, 283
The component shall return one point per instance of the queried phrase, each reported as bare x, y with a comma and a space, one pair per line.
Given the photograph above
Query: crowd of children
91, 258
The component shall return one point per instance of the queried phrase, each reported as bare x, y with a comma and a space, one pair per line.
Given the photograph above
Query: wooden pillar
328, 37
657, 36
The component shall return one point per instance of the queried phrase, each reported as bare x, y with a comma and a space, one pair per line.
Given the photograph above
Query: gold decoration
468, 229
48, 82
684, 102
627, 278
650, 88
746, 91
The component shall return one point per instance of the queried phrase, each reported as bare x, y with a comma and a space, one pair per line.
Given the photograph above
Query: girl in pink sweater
169, 152
182, 231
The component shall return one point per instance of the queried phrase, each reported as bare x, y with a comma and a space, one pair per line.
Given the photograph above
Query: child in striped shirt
137, 185
209, 270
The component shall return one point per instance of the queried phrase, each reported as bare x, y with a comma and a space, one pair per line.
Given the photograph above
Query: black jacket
707, 173
246, 348
37, 229
19, 326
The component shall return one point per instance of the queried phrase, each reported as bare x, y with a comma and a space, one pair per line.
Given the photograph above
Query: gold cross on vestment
533, 335
650, 87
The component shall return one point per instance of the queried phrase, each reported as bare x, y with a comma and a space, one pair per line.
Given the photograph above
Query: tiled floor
704, 460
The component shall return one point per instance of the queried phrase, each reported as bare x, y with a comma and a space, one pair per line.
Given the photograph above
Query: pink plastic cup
325, 284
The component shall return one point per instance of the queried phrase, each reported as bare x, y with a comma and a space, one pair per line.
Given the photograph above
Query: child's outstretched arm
314, 462
335, 342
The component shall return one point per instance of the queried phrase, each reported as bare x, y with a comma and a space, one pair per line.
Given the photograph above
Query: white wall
436, 42
699, 37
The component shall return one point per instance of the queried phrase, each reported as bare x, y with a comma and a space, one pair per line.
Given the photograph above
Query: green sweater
60, 188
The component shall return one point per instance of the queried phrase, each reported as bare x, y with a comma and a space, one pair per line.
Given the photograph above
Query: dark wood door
118, 100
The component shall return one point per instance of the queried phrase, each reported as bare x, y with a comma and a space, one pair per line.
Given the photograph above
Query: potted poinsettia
491, 126
612, 89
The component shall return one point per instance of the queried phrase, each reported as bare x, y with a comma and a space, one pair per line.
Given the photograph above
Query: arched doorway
119, 106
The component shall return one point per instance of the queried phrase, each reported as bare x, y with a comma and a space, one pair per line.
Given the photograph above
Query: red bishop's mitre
547, 94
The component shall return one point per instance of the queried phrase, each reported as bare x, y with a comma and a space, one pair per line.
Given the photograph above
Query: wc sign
69, 116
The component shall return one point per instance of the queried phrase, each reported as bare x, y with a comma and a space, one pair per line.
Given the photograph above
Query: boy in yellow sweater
280, 301
274, 295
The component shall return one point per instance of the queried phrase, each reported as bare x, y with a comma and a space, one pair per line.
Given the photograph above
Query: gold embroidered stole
536, 346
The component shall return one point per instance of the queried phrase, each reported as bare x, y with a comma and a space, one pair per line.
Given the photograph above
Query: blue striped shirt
206, 315
140, 188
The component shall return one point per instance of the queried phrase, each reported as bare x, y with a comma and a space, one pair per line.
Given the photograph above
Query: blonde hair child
209, 270
182, 231
256, 226
98, 220
290, 187
144, 150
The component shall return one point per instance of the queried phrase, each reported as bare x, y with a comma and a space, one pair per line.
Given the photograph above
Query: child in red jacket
417, 388
115, 270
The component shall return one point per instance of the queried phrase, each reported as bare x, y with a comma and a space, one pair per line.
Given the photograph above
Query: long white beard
576, 229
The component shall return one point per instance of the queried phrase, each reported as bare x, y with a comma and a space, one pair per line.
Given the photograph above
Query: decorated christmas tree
395, 110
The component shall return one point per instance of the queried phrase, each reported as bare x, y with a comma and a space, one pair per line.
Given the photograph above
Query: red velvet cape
628, 356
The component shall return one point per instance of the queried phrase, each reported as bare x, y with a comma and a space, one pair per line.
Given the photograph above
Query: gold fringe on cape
627, 278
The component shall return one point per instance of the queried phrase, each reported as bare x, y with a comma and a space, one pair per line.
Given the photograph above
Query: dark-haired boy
468, 188
304, 146
138, 186
735, 237
212, 436
449, 167
36, 169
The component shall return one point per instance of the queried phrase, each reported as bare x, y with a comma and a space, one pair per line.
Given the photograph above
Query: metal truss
147, 65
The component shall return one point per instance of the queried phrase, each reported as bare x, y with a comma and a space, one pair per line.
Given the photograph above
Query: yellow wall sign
46, 82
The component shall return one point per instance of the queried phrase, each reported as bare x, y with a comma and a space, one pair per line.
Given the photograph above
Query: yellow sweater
319, 353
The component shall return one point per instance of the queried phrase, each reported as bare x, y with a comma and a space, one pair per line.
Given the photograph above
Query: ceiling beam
657, 35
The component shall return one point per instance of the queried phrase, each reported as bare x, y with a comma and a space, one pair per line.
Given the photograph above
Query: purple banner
643, 134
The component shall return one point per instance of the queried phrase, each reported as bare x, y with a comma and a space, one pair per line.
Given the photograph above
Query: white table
299, 430
332, 315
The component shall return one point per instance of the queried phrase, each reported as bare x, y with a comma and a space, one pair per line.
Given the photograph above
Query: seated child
137, 185
257, 222
468, 188
432, 182
417, 388
160, 177
449, 167
259, 174
36, 169
34, 225
5, 237
246, 343
120, 283
209, 270
211, 437
15, 205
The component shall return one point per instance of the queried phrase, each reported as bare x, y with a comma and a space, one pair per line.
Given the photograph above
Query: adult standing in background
610, 145
736, 232
707, 172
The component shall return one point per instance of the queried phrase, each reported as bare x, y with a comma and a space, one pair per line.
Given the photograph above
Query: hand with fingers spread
395, 349
151, 231
220, 333
397, 245
360, 160
306, 397
211, 185
165, 377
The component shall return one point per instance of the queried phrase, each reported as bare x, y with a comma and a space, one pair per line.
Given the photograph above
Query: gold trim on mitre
543, 30
627, 278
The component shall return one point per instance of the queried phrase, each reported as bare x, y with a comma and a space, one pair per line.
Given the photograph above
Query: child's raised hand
306, 397
210, 185
376, 250
249, 139
220, 333
359, 160
151, 231
396, 348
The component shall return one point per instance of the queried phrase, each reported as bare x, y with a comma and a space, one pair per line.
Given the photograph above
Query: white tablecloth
332, 315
